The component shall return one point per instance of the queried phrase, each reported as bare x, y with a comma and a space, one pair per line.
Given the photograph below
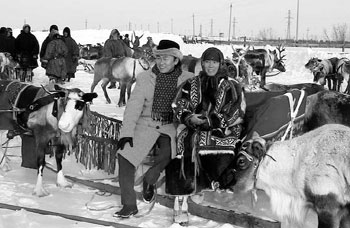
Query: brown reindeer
329, 70
124, 70
263, 61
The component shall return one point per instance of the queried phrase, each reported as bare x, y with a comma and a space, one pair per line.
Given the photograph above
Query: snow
18, 183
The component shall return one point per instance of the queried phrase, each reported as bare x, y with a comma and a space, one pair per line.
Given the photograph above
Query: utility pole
158, 26
194, 34
172, 32
307, 33
200, 30
86, 23
234, 28
288, 25
229, 23
211, 27
296, 34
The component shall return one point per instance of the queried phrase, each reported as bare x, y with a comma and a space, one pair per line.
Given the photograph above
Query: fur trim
170, 51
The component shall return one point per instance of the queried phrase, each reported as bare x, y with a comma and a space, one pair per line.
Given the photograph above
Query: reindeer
327, 69
49, 116
265, 60
309, 172
243, 70
124, 70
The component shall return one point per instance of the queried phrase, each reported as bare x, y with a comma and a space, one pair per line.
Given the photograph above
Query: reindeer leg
262, 78
104, 85
61, 180
39, 189
128, 89
328, 211
122, 94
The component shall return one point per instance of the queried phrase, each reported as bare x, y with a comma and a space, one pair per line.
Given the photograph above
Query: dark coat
115, 49
44, 45
72, 55
11, 42
56, 52
27, 49
3, 41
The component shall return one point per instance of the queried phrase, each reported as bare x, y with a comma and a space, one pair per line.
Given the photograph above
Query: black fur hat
67, 30
53, 27
168, 47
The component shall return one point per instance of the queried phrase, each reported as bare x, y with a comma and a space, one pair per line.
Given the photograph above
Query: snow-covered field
17, 184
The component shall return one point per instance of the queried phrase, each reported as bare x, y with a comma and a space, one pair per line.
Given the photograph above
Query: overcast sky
251, 16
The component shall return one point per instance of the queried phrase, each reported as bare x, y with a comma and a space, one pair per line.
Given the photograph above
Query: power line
234, 28
194, 34
288, 25
297, 30
229, 23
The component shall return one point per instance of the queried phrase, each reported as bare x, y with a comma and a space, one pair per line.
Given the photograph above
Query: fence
98, 148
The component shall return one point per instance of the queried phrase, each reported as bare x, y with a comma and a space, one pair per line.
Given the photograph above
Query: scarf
164, 94
210, 86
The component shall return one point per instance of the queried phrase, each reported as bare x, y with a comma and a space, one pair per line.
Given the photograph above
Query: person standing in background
54, 58
114, 47
72, 56
27, 50
53, 30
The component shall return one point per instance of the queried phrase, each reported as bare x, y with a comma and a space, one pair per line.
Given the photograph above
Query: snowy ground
18, 183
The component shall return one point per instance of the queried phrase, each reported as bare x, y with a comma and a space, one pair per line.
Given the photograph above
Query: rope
271, 75
99, 193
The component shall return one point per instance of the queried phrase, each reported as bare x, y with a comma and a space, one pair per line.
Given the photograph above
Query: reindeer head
73, 107
246, 163
312, 64
347, 67
279, 58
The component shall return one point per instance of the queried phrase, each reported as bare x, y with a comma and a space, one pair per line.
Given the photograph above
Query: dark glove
121, 143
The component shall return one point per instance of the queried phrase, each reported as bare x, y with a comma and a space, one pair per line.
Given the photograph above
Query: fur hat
3, 30
168, 47
114, 32
67, 30
214, 54
53, 27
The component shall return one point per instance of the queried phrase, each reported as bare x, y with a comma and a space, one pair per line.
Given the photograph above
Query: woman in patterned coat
148, 120
210, 109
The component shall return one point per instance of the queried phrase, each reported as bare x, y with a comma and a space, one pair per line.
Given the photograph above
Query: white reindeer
309, 172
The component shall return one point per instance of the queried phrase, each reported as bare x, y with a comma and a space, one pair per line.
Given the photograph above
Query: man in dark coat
73, 54
53, 30
11, 43
54, 57
27, 50
3, 41
114, 47
126, 40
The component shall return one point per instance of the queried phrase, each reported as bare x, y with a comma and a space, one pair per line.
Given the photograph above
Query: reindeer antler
281, 48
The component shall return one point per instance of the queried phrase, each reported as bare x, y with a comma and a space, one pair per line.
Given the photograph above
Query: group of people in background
58, 54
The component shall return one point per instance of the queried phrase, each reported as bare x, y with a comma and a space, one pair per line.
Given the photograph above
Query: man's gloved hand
121, 143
